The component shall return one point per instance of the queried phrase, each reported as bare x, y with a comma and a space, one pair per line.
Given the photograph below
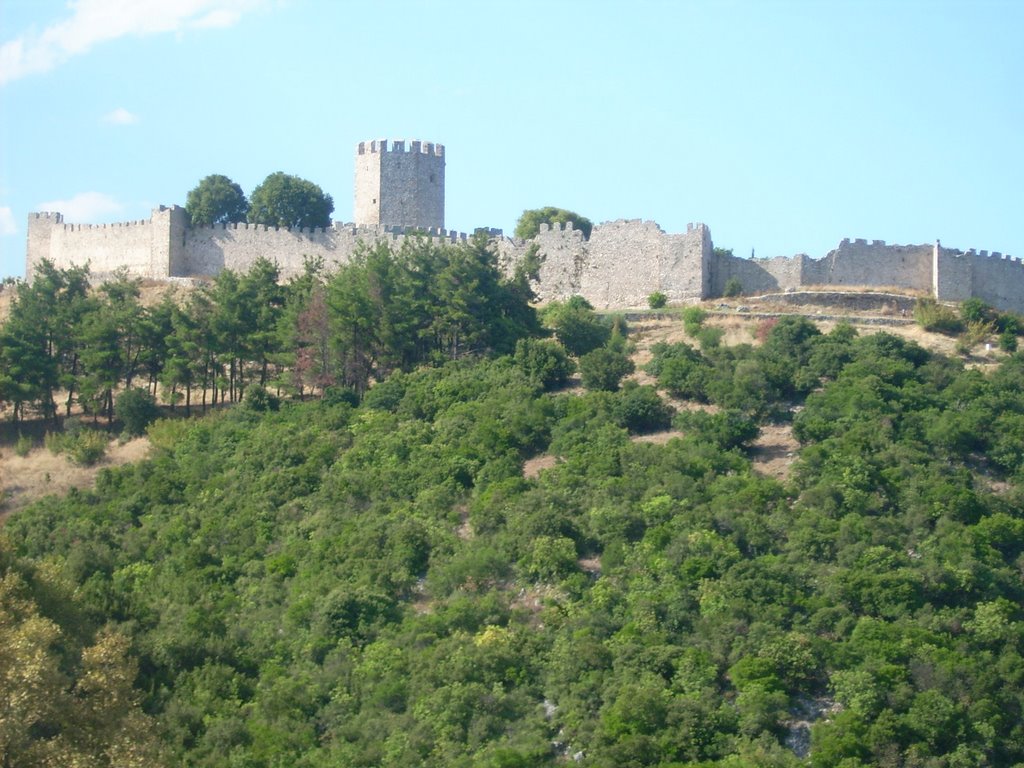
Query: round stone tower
397, 186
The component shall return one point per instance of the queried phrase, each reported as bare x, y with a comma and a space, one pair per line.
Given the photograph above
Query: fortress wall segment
684, 273
563, 253
136, 246
210, 250
757, 275
995, 279
873, 263
40, 231
624, 262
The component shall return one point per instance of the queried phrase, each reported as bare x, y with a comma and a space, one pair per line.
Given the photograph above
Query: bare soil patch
533, 467
774, 451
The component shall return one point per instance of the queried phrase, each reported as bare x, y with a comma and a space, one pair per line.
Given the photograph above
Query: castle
399, 193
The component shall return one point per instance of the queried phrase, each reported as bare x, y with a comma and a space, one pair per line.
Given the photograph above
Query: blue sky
784, 126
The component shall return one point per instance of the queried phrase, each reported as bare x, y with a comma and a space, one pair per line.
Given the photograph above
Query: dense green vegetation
368, 579
280, 200
529, 222
386, 311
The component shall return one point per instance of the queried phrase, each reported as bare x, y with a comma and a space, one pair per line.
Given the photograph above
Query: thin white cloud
84, 208
121, 116
7, 225
98, 21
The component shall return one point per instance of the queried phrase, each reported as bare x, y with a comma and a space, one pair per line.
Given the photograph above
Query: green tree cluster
281, 200
380, 583
386, 311
529, 222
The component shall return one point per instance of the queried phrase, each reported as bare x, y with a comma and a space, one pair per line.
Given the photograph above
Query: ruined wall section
872, 263
621, 264
396, 186
757, 275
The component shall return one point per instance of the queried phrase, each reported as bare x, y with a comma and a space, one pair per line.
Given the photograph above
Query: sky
784, 126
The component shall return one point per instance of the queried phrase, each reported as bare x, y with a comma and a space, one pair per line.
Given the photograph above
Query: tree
604, 368
136, 409
288, 201
216, 200
529, 223
577, 326
38, 353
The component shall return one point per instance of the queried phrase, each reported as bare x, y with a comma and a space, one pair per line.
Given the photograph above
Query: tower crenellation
399, 185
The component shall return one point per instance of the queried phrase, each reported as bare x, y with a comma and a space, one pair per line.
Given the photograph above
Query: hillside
813, 561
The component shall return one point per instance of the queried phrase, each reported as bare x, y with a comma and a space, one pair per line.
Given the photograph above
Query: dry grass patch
29, 478
657, 438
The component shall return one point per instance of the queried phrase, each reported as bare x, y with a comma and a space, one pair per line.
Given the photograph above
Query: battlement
382, 146
50, 216
245, 225
112, 225
995, 255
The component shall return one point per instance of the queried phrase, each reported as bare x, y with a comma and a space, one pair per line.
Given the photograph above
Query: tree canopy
450, 559
283, 200
529, 223
216, 200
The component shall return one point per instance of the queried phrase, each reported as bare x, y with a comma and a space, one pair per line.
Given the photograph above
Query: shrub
710, 338
83, 446
577, 326
337, 395
87, 447
259, 400
1008, 342
136, 410
1007, 322
733, 287
976, 332
936, 317
23, 446
764, 329
639, 409
657, 300
727, 429
543, 362
604, 368
973, 310
693, 319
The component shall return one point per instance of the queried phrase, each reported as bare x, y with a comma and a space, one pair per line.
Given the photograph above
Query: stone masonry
400, 194
399, 188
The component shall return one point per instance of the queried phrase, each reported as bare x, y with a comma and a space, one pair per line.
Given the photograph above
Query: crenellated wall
862, 262
621, 264
142, 247
995, 279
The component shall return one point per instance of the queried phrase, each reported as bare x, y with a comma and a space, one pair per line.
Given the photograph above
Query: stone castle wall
860, 262
141, 247
995, 279
621, 264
